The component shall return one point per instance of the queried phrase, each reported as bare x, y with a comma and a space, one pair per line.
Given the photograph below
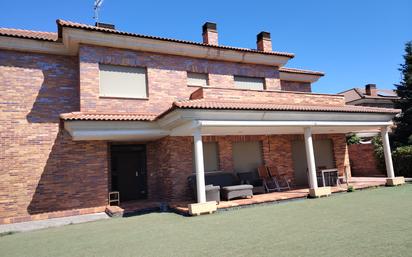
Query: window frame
126, 97
250, 77
202, 73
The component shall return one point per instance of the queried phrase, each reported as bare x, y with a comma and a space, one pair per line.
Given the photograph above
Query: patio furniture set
230, 185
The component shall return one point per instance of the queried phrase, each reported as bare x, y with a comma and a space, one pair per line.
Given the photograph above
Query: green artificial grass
375, 222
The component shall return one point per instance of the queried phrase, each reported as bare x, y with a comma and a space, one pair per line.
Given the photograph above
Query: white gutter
227, 123
117, 134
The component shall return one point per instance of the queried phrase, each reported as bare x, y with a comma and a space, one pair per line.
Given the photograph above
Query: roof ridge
31, 34
111, 113
28, 30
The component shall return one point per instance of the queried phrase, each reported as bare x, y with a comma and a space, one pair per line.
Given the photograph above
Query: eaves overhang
70, 35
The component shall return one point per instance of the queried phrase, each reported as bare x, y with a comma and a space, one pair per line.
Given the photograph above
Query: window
247, 156
197, 79
210, 157
122, 81
249, 83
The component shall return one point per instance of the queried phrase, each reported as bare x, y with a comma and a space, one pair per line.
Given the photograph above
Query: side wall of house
41, 168
170, 160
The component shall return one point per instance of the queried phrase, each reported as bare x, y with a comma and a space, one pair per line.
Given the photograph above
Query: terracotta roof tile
31, 34
70, 24
228, 105
108, 116
300, 71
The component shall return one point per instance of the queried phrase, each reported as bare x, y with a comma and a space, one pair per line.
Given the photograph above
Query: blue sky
353, 42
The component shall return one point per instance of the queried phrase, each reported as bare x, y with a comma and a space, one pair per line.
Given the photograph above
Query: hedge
401, 157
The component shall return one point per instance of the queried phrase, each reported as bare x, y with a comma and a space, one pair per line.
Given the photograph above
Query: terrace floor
130, 208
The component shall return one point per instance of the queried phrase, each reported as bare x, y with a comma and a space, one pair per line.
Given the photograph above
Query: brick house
91, 109
370, 95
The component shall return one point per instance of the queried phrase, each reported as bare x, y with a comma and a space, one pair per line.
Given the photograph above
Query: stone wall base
202, 208
50, 215
319, 192
396, 181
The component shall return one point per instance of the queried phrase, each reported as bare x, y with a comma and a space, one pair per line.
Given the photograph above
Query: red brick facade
363, 161
166, 77
295, 86
43, 170
265, 96
170, 158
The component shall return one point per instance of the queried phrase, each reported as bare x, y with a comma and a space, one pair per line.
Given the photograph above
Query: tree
403, 132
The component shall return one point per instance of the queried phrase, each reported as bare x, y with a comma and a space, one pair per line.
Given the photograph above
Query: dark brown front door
128, 167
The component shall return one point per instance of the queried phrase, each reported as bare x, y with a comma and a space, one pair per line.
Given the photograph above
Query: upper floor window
249, 82
122, 81
197, 79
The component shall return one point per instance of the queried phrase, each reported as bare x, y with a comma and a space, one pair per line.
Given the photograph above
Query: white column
310, 157
387, 152
200, 170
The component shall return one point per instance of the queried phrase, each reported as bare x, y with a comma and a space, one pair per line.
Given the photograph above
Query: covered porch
309, 129
176, 140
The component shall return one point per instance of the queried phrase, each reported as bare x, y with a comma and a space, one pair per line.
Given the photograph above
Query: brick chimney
264, 43
105, 25
210, 33
370, 89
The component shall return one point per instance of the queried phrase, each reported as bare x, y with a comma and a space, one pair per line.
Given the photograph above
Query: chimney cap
209, 26
263, 35
370, 86
104, 25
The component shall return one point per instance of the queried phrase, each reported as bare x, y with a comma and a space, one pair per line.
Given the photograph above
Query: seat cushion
237, 187
211, 187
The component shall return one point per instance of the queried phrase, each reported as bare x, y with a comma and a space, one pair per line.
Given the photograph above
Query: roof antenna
97, 5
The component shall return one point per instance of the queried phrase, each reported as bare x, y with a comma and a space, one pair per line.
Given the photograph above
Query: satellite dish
97, 5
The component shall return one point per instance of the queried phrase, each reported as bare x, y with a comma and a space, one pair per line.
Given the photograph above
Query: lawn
375, 222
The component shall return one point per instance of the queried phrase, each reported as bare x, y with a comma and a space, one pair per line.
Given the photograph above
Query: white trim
114, 130
178, 117
298, 77
227, 123
119, 135
31, 45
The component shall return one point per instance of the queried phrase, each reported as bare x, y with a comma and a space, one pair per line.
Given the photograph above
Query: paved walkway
56, 222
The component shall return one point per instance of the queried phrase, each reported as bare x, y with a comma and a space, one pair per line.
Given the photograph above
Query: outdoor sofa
227, 183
